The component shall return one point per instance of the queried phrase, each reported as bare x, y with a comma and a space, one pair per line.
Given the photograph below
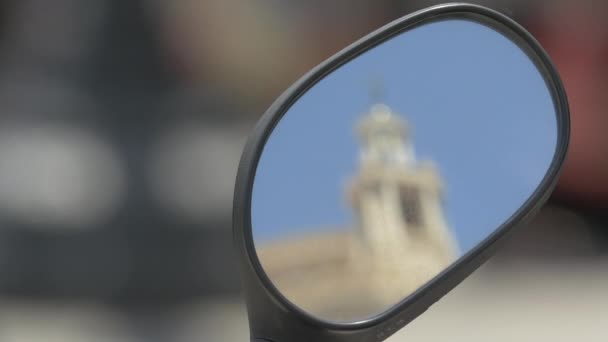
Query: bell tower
398, 201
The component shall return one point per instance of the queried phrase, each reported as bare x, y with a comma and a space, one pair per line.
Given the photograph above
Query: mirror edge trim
266, 305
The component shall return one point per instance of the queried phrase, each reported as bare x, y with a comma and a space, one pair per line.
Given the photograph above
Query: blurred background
121, 126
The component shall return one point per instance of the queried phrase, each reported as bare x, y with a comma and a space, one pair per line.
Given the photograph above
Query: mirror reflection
396, 164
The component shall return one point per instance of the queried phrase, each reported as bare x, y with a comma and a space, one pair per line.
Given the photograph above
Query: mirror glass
396, 164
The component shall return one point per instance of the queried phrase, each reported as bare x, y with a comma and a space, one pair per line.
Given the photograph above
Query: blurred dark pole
170, 261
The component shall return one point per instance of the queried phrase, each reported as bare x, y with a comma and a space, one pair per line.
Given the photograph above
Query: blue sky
477, 106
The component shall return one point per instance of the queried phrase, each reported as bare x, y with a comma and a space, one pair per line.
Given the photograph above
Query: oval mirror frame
271, 316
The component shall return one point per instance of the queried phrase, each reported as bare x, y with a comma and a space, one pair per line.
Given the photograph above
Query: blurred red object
575, 33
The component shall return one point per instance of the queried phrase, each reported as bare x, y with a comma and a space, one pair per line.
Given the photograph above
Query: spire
377, 90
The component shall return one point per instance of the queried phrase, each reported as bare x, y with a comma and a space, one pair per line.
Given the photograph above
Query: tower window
409, 197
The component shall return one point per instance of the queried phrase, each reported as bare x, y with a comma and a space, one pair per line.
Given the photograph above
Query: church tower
397, 200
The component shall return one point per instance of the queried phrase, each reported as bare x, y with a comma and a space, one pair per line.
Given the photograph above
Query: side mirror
389, 173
